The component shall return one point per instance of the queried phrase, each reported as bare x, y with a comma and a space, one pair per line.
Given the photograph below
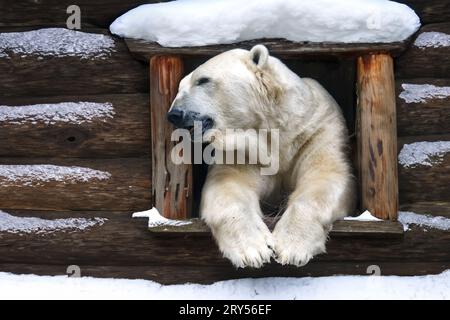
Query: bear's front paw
295, 247
247, 249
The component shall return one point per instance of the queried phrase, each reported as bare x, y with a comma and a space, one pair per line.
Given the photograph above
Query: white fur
312, 163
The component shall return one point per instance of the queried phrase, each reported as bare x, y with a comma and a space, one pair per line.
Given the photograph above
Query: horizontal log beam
32, 75
209, 274
422, 113
123, 241
143, 50
123, 133
425, 62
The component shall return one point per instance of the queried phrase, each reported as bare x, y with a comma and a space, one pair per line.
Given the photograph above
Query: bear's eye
202, 81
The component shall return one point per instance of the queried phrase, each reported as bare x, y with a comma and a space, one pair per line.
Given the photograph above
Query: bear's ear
259, 55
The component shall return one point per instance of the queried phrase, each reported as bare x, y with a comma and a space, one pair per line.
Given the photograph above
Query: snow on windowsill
56, 42
39, 174
15, 224
203, 22
435, 222
423, 153
420, 93
155, 219
52, 113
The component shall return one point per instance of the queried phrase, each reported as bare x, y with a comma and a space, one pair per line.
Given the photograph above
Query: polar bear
253, 90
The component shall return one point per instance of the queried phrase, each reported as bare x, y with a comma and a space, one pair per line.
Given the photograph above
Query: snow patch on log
436, 222
56, 42
66, 112
14, 224
420, 93
432, 40
423, 153
365, 216
39, 174
155, 219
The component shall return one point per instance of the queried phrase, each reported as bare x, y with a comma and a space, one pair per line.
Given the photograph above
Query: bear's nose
175, 116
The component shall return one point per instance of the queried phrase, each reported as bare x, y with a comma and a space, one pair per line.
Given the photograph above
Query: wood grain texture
143, 50
32, 75
377, 135
172, 186
123, 241
434, 208
100, 13
126, 134
427, 62
431, 116
341, 228
128, 188
209, 274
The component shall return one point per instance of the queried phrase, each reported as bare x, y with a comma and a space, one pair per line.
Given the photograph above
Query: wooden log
341, 228
168, 275
119, 184
142, 50
434, 208
430, 11
172, 184
124, 132
33, 75
430, 61
123, 241
424, 113
377, 135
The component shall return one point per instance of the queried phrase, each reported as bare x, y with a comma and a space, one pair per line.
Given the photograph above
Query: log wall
120, 145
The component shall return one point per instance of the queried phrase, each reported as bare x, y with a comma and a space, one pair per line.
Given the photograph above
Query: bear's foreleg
230, 207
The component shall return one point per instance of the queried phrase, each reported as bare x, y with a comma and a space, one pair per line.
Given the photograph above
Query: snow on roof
37, 174
51, 113
417, 93
423, 153
14, 224
155, 219
432, 40
335, 287
204, 22
437, 222
58, 42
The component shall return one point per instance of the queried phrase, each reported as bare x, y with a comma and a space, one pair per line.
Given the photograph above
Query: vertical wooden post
377, 135
171, 183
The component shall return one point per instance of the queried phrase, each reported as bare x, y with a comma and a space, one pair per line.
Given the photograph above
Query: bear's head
234, 89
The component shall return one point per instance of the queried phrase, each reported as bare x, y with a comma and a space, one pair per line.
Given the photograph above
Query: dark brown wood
32, 75
172, 185
431, 116
430, 11
123, 241
341, 228
427, 62
142, 50
126, 134
53, 12
128, 188
102, 12
206, 275
377, 135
